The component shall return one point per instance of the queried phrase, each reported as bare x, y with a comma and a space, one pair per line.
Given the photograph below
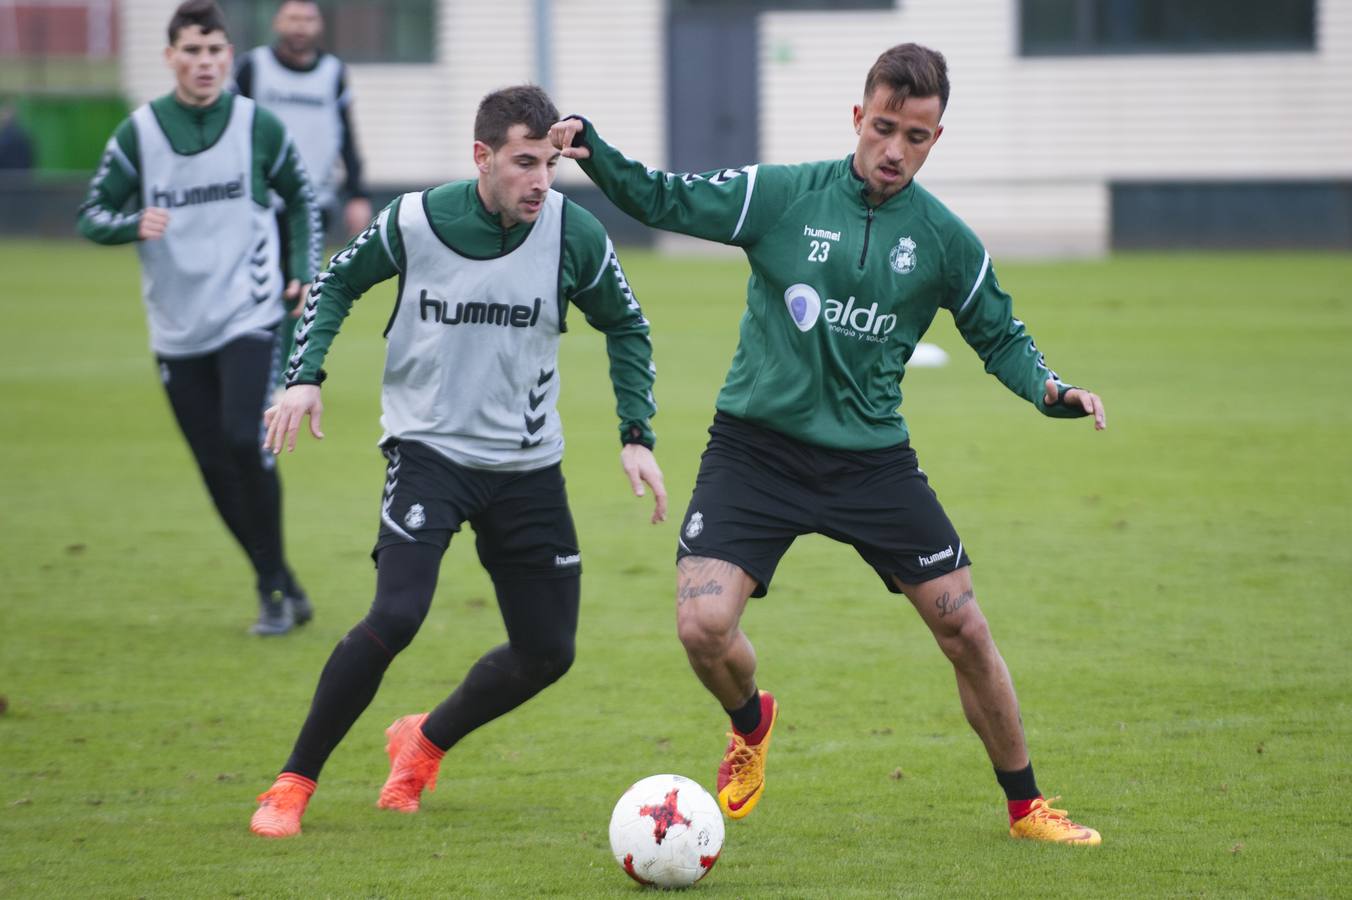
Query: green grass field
1171, 596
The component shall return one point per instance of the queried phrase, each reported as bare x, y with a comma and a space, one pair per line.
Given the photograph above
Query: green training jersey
840, 291
472, 281
111, 212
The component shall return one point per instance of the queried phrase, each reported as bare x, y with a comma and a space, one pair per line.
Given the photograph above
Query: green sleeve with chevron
594, 282
358, 267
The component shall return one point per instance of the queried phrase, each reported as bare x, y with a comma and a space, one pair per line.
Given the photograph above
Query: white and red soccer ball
666, 831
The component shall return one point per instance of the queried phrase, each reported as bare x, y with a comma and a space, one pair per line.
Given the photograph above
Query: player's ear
938, 133
483, 155
858, 118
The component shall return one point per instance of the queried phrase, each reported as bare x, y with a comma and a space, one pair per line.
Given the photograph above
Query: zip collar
859, 187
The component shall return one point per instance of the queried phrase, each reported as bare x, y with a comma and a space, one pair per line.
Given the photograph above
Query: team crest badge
695, 525
415, 517
903, 256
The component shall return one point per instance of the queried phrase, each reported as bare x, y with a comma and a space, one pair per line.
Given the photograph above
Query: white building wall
1031, 143
415, 123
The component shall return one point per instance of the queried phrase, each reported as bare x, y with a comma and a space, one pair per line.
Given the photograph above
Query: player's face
514, 179
201, 62
894, 141
298, 26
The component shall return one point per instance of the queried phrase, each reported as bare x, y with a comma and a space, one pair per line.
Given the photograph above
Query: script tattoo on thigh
949, 604
691, 591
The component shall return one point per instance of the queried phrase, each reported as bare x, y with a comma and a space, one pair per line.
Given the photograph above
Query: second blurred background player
307, 89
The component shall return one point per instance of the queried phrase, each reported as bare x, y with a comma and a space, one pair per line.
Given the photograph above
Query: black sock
346, 687
541, 620
1020, 785
747, 718
405, 580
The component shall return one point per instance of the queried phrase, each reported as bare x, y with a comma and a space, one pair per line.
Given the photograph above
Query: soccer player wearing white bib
307, 88
197, 167
488, 269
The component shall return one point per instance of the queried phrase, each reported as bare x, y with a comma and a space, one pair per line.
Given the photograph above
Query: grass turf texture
1170, 596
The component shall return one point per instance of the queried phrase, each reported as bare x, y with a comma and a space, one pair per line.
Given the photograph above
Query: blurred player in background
487, 270
850, 261
197, 166
307, 89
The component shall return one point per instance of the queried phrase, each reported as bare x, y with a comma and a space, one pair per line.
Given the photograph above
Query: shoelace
284, 798
746, 763
1043, 811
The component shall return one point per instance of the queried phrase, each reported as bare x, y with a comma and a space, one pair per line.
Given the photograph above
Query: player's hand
641, 467
561, 135
154, 219
356, 216
283, 420
296, 294
1085, 400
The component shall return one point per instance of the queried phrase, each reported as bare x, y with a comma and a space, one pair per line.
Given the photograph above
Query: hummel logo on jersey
572, 559
477, 312
809, 231
946, 553
848, 318
695, 526
168, 198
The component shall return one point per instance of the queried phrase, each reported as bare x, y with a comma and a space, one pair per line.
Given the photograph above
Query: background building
1075, 126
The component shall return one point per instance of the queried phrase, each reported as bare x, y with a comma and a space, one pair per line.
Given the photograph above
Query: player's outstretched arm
1078, 398
283, 420
715, 205
641, 467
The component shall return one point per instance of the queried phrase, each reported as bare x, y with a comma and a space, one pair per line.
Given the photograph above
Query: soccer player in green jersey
197, 166
850, 261
488, 269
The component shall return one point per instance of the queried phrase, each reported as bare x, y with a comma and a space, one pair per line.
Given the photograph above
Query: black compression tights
218, 400
541, 620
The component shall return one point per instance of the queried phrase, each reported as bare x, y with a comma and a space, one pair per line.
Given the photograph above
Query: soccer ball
666, 831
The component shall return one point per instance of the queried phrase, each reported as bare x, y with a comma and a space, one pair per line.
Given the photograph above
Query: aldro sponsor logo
850, 317
171, 198
477, 312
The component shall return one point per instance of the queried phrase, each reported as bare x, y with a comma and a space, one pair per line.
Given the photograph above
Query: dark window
1058, 27
358, 31
778, 5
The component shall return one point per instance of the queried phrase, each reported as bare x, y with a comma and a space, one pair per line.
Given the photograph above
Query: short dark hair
525, 104
205, 14
909, 70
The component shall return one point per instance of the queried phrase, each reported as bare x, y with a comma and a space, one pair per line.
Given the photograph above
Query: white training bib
472, 364
214, 275
308, 105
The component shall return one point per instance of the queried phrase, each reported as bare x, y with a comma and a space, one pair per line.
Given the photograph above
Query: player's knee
970, 643
701, 635
547, 665
394, 629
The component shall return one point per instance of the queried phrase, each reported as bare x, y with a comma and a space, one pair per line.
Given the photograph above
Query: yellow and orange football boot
741, 776
1043, 823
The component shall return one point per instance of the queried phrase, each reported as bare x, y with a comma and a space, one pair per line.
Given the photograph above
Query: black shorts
757, 490
522, 525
